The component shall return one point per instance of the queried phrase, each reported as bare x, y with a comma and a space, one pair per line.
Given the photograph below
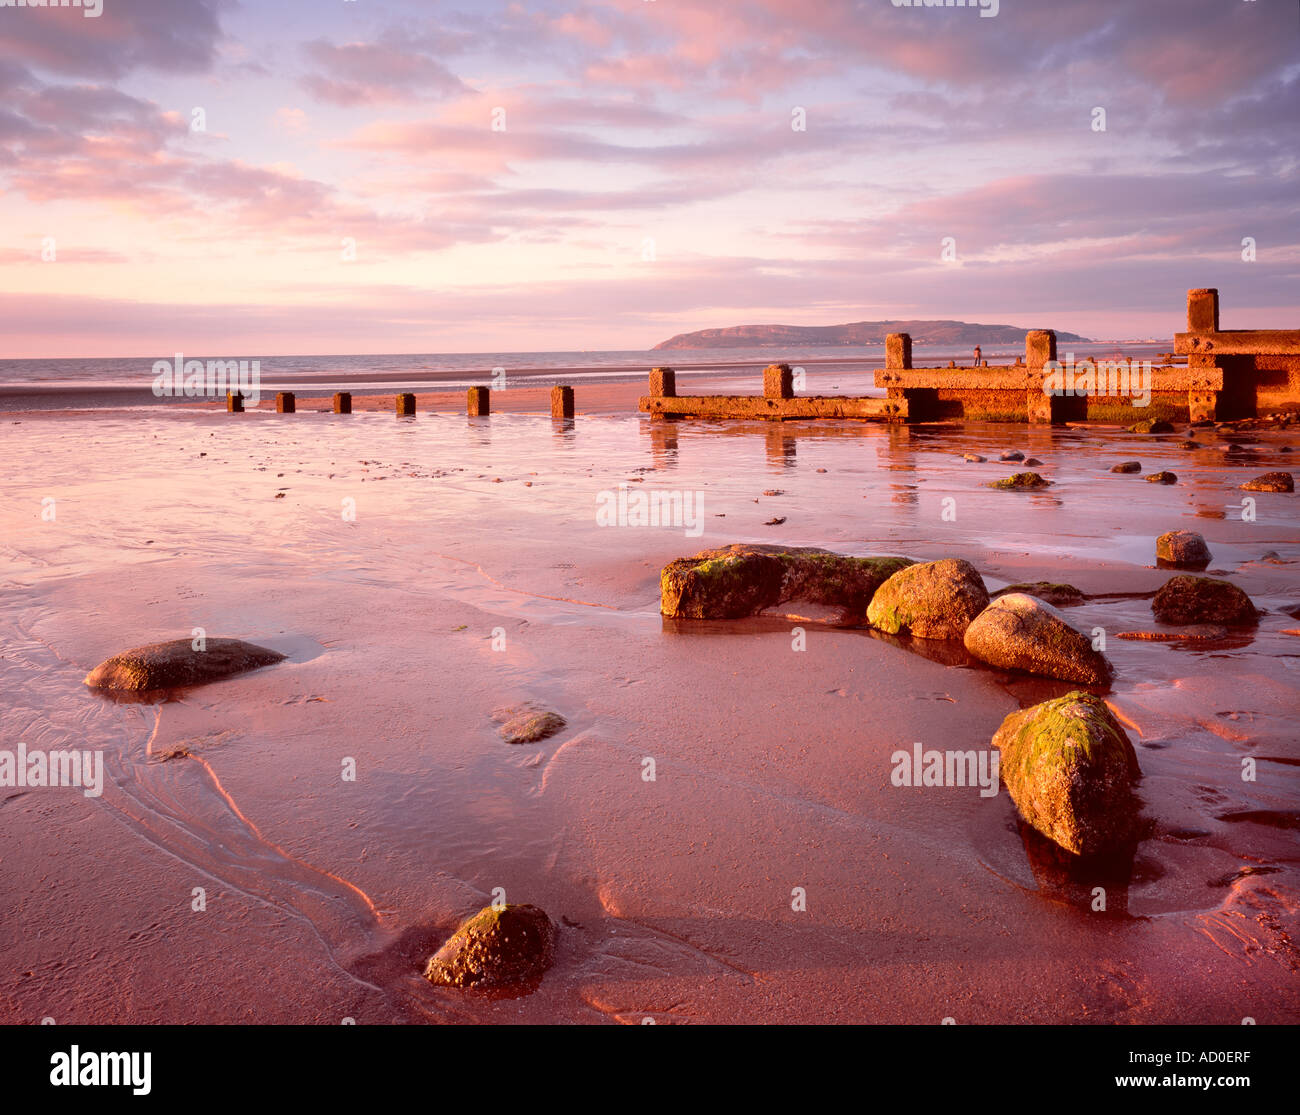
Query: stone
497, 947
1127, 466
1033, 462
1190, 444
1182, 549
933, 600
1162, 478
1197, 633
973, 458
1020, 632
176, 663
663, 382
1022, 482
744, 579
1069, 767
778, 382
1012, 455
1056, 594
528, 723
1185, 599
1152, 426
1271, 482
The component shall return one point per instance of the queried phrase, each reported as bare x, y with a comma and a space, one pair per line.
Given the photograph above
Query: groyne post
478, 402
778, 382
284, 402
343, 402
561, 402
234, 402
405, 404
663, 382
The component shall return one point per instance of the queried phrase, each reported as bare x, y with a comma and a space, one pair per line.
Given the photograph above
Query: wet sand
324, 896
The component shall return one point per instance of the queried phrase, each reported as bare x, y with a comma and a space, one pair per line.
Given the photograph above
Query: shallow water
323, 896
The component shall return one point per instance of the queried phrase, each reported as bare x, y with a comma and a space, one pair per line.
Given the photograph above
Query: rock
974, 458
936, 600
1235, 450
1162, 478
1285, 449
1069, 767
1012, 455
176, 663
1186, 599
495, 948
1271, 482
1152, 426
1058, 595
744, 579
1127, 466
1020, 632
528, 723
1189, 444
1022, 482
1199, 633
1033, 462
1182, 549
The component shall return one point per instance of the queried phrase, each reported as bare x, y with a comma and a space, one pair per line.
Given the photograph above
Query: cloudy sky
565, 175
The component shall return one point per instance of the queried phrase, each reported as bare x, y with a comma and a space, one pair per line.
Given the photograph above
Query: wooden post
561, 402
663, 382
284, 403
479, 402
234, 402
342, 402
778, 382
406, 404
1203, 310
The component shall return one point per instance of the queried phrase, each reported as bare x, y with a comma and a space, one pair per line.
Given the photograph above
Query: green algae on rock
743, 579
1056, 593
177, 663
1069, 767
934, 600
1020, 632
497, 947
1021, 482
1185, 599
1182, 549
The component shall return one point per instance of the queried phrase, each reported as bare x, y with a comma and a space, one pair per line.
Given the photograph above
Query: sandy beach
473, 574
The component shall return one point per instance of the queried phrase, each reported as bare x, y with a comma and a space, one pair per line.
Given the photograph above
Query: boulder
1162, 478
528, 723
174, 664
744, 579
973, 458
1184, 599
1271, 482
1012, 455
935, 600
1022, 482
1020, 632
497, 947
1033, 462
1152, 426
1058, 595
1069, 767
1182, 549
1127, 466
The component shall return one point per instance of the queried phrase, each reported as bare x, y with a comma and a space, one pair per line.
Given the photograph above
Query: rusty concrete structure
1229, 374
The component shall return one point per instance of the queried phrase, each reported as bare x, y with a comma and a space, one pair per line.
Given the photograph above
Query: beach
420, 573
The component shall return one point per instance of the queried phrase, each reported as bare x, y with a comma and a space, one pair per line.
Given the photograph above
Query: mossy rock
1057, 594
1022, 482
1020, 632
528, 723
1152, 426
1184, 599
934, 600
1069, 767
1127, 466
174, 664
497, 947
1271, 482
1162, 478
743, 580
1182, 549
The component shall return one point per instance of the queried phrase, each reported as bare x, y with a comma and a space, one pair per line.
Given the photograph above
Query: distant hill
855, 333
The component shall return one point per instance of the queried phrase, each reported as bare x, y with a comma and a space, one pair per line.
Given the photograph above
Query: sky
361, 176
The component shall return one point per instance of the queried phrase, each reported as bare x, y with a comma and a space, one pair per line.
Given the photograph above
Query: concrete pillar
284, 403
343, 402
478, 402
1203, 310
234, 402
898, 350
1040, 347
778, 382
406, 404
561, 402
663, 382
